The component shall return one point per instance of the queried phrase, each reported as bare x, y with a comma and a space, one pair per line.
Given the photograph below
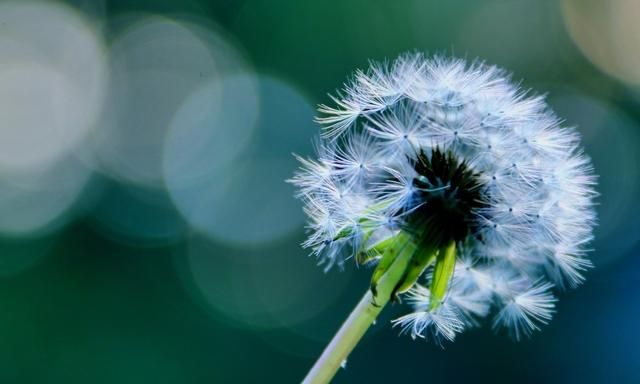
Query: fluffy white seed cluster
529, 234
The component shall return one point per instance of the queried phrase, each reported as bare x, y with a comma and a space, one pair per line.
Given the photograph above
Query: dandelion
466, 193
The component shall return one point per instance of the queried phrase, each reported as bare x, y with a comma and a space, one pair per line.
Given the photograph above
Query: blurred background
147, 234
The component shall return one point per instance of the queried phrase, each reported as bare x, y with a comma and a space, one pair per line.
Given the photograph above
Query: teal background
126, 288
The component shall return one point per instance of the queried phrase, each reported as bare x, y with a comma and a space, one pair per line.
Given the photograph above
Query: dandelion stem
360, 319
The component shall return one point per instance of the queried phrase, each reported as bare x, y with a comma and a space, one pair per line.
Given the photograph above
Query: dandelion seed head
450, 151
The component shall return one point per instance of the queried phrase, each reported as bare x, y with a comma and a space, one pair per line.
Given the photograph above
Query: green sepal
366, 256
381, 246
375, 250
363, 222
442, 273
422, 258
396, 245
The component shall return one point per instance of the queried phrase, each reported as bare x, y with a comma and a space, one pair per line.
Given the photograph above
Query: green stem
361, 318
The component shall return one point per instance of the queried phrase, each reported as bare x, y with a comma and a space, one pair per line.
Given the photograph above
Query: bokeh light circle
210, 129
257, 288
156, 63
37, 202
608, 33
241, 198
52, 81
138, 216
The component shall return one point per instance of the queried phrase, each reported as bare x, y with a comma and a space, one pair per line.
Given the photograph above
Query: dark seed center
448, 193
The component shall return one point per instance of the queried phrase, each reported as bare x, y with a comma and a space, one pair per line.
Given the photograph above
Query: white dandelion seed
441, 323
444, 152
526, 309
